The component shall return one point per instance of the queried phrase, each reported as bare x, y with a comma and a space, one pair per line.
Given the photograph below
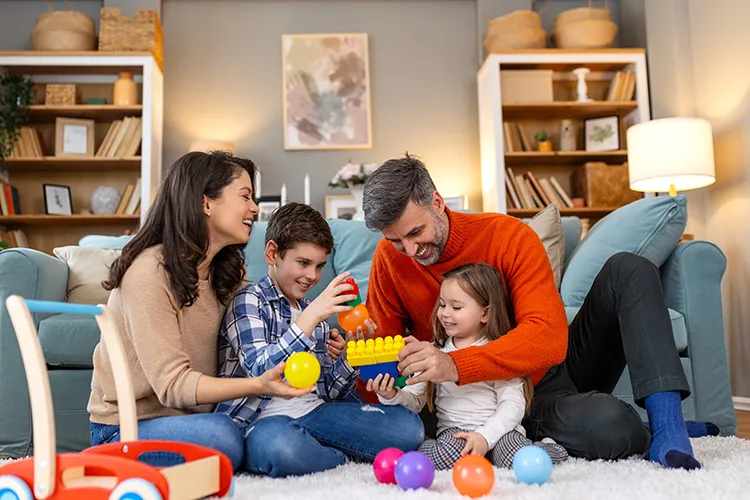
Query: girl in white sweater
482, 418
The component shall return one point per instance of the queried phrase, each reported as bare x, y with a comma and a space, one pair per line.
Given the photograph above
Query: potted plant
15, 97
353, 177
543, 142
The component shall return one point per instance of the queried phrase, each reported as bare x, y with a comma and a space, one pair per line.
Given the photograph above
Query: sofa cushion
548, 226
69, 339
355, 247
102, 241
650, 227
679, 328
87, 269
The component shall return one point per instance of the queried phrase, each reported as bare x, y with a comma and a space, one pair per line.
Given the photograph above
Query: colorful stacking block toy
375, 357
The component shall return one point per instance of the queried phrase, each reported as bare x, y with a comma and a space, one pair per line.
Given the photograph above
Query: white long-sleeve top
490, 408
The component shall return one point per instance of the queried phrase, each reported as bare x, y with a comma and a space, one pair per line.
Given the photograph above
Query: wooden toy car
111, 471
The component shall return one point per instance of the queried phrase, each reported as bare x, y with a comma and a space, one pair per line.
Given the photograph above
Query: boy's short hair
298, 223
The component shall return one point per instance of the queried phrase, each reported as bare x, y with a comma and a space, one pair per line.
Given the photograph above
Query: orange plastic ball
350, 320
473, 476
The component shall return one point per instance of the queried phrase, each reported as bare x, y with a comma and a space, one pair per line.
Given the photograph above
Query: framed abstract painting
326, 91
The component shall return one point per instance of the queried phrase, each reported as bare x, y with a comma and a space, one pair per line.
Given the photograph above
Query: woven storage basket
521, 29
60, 94
64, 30
140, 33
573, 15
585, 34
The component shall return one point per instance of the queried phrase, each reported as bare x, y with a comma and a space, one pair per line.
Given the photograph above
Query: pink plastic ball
384, 465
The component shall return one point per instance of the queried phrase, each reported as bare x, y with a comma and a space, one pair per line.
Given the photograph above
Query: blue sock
698, 429
670, 445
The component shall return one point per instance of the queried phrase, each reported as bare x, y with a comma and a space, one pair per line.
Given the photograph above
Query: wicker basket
585, 34
64, 30
60, 94
140, 33
521, 29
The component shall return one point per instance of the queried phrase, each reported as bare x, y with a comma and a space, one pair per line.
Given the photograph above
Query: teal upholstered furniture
691, 274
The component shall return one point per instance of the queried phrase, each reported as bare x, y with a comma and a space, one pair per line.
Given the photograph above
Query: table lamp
207, 146
670, 154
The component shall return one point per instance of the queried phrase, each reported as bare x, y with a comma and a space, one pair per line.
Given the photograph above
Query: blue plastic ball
532, 465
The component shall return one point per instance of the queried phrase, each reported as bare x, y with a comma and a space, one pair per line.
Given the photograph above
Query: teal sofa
691, 278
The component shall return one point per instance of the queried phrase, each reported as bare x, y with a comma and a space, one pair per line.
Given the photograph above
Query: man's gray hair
389, 189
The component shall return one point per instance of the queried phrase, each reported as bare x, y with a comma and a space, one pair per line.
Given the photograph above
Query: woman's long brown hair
176, 221
485, 285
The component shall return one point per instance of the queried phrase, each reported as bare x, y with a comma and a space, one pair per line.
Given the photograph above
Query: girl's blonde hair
485, 285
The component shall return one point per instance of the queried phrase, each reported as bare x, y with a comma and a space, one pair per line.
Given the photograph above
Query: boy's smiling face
298, 270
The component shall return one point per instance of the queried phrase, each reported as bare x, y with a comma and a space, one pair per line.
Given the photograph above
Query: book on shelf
130, 200
622, 87
15, 238
10, 204
527, 191
122, 139
28, 144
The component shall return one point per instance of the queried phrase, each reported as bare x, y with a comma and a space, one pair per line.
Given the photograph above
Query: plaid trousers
445, 451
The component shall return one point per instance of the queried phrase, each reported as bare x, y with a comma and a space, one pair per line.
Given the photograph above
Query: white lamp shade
671, 151
208, 146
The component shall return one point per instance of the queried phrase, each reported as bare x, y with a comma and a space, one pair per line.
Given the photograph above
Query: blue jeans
213, 430
327, 436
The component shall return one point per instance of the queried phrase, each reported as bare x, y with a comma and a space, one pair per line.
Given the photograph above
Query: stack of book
9, 202
14, 238
28, 145
622, 87
123, 138
130, 201
516, 139
526, 191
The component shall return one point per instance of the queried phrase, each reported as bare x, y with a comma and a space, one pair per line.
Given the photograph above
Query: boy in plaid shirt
270, 320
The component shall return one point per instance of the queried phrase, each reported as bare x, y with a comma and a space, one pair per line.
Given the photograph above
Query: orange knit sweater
401, 294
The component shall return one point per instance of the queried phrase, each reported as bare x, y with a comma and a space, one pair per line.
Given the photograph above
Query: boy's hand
362, 335
336, 344
476, 444
383, 386
325, 305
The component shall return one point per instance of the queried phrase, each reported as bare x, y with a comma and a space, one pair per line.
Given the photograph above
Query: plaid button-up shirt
257, 334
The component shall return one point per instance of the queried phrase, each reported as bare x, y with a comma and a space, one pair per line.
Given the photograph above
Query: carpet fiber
725, 460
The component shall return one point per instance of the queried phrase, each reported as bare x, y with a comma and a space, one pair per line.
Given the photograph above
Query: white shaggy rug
725, 475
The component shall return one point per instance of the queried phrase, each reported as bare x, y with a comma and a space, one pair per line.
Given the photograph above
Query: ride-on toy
110, 471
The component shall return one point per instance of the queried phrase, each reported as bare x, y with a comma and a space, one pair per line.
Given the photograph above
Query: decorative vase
567, 136
104, 201
357, 192
125, 91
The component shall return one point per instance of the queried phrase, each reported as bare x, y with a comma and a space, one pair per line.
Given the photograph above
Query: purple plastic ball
414, 470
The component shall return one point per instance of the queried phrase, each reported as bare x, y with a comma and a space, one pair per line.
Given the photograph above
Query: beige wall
699, 66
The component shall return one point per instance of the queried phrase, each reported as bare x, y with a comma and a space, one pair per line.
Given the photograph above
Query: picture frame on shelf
456, 203
601, 134
326, 91
74, 137
340, 206
57, 199
267, 205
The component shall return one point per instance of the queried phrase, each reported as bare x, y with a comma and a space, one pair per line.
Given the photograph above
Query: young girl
482, 418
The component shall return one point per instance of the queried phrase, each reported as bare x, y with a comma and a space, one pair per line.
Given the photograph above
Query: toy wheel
14, 488
134, 489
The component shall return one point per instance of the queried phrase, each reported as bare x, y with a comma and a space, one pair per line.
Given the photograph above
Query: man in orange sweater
624, 320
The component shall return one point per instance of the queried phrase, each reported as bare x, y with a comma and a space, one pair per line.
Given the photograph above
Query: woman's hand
271, 384
383, 386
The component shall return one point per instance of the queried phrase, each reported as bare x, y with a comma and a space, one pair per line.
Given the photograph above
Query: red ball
385, 465
473, 476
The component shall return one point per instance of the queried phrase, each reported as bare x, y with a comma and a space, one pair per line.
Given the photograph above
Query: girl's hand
475, 443
272, 385
383, 386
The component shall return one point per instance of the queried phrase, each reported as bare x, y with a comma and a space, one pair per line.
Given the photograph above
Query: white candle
307, 189
283, 194
257, 184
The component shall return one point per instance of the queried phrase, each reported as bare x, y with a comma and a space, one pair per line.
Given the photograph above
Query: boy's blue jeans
214, 430
324, 438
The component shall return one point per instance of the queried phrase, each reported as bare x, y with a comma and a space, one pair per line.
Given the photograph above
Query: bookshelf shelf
43, 113
569, 109
76, 62
73, 164
584, 212
563, 157
51, 220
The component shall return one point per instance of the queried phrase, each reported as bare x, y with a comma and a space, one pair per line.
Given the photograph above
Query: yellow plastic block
370, 352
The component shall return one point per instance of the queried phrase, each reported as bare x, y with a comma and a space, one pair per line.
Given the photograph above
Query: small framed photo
267, 205
340, 206
57, 200
74, 137
456, 203
602, 134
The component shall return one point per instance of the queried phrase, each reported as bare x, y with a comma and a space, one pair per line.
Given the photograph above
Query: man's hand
336, 344
476, 444
432, 364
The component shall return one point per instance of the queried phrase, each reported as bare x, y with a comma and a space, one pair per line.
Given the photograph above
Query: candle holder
582, 88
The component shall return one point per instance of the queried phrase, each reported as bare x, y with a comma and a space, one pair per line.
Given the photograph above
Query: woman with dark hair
170, 288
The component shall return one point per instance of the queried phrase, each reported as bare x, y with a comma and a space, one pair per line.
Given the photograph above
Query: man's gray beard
438, 245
